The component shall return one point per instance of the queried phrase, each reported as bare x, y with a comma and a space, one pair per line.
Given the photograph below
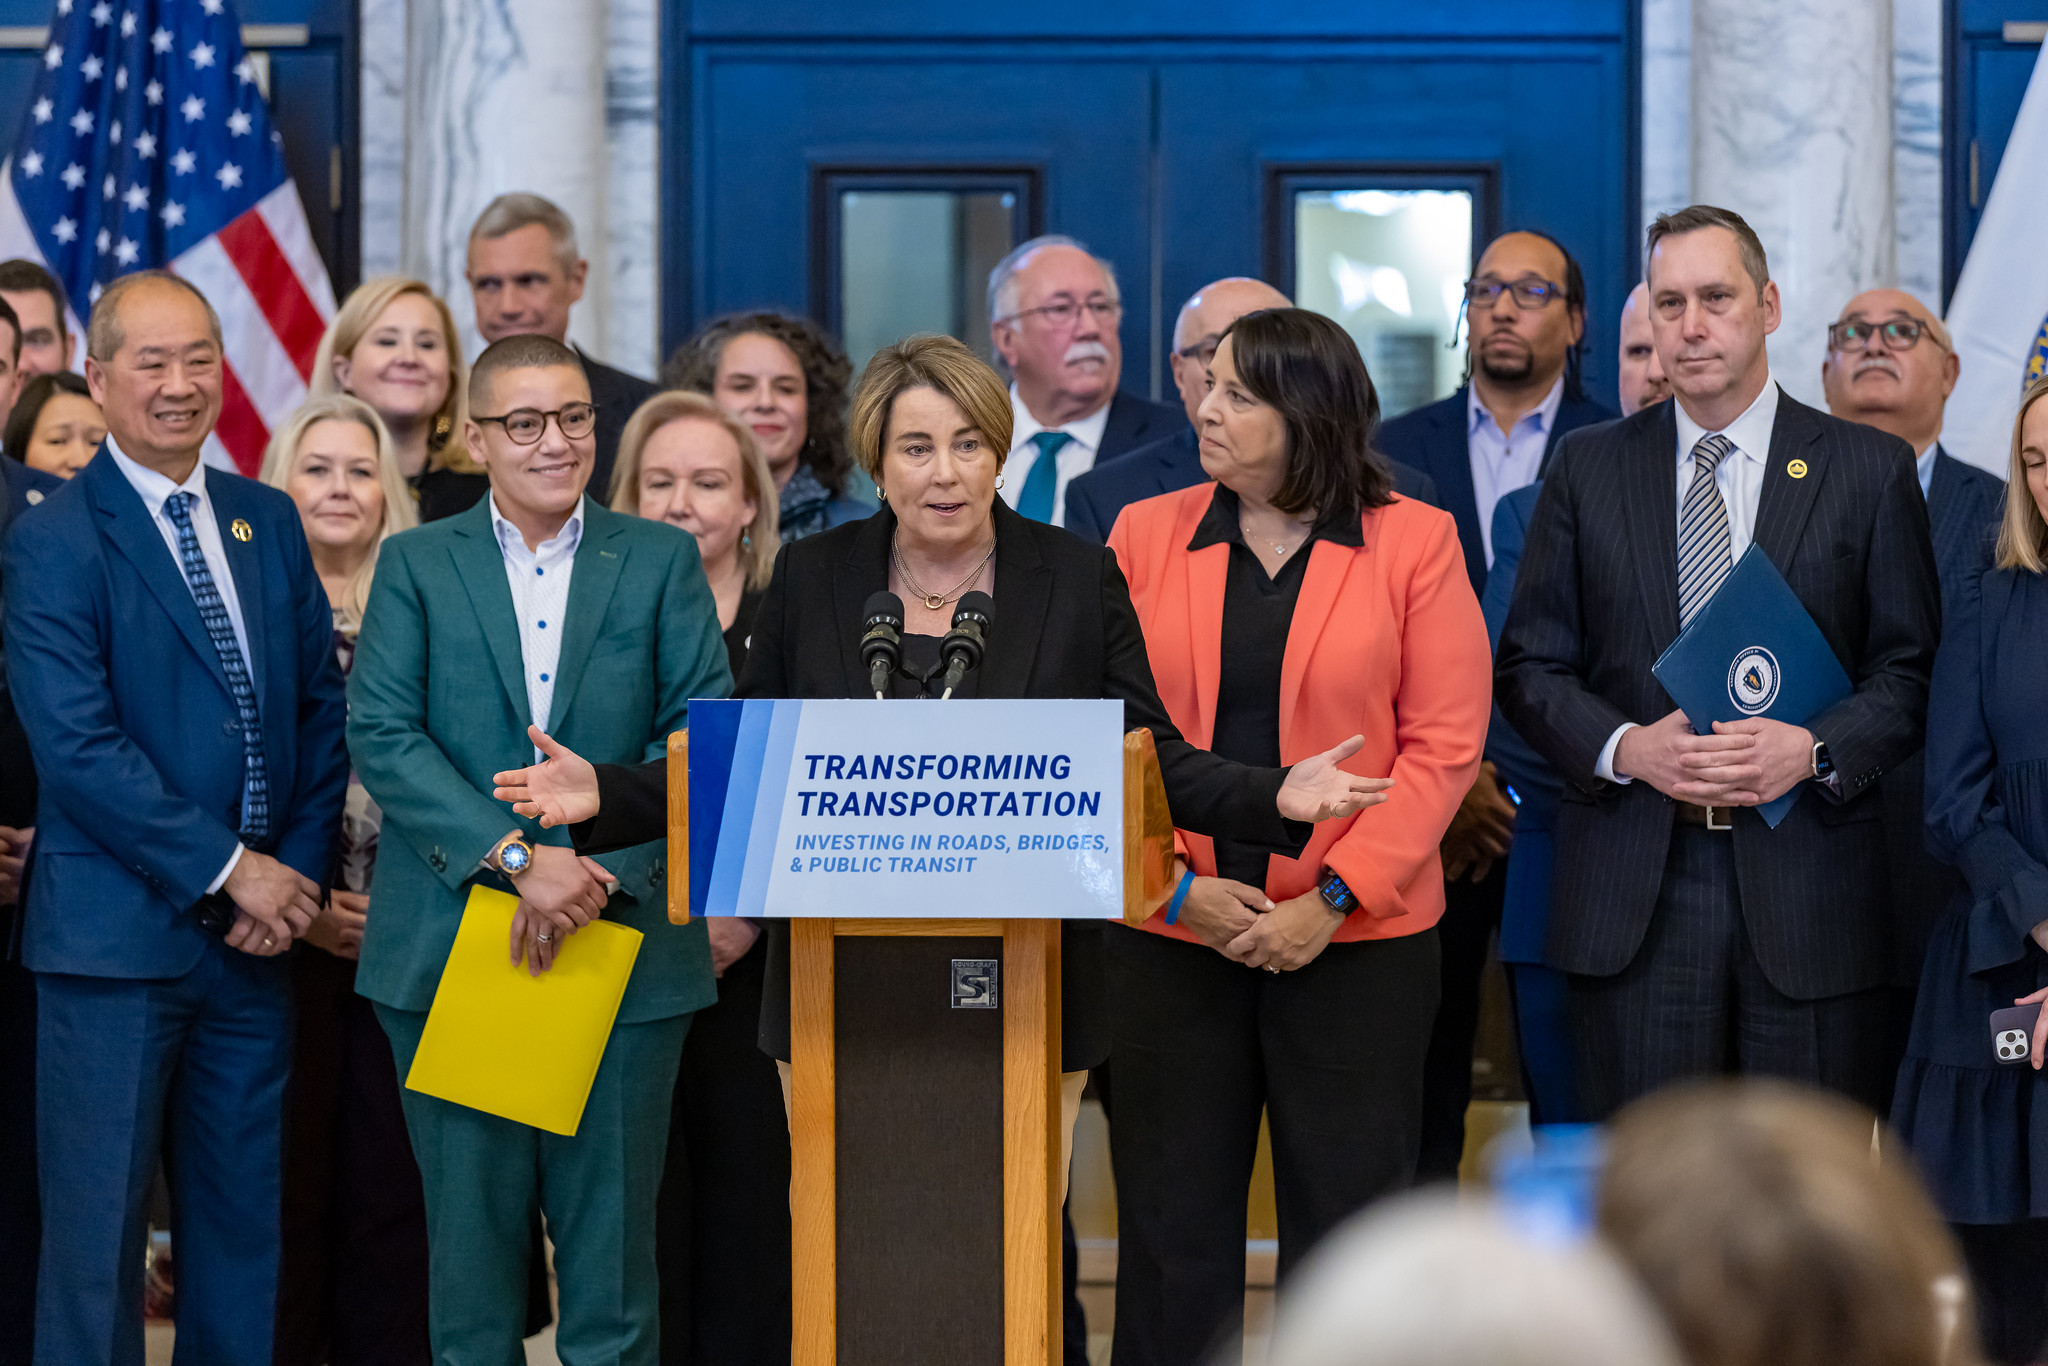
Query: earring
999, 483
746, 540
881, 493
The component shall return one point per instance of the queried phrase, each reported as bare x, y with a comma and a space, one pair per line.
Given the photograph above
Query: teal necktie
1035, 501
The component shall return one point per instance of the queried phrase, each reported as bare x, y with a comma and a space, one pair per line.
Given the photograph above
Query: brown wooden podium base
925, 1147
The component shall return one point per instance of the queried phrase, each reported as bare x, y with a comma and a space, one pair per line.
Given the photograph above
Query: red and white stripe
267, 282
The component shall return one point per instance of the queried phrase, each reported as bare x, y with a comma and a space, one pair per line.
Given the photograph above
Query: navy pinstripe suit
1766, 927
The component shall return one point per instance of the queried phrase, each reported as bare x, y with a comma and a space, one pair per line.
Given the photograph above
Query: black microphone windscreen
883, 606
975, 604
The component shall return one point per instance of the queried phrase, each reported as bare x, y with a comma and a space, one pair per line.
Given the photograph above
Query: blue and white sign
990, 808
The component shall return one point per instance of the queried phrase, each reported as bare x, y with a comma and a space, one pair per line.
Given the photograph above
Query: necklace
934, 601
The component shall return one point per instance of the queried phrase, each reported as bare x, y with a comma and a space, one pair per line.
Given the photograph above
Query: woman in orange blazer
1293, 603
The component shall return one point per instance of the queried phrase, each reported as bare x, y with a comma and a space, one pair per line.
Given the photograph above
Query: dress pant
194, 1066
1695, 1002
722, 1238
1542, 1000
2009, 1265
20, 1229
484, 1176
1471, 915
1332, 1053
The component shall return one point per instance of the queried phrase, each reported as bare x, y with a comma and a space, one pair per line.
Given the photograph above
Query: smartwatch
1823, 766
1336, 895
511, 855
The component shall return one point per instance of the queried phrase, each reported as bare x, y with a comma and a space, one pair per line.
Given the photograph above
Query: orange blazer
1387, 641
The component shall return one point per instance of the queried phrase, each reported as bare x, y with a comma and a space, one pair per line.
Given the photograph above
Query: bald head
1876, 376
1642, 378
1203, 317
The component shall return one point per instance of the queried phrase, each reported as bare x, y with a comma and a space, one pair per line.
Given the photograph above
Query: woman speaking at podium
931, 427
1292, 602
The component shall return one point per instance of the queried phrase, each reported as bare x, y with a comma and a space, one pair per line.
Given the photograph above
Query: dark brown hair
1697, 216
523, 351
21, 423
827, 373
21, 276
1309, 368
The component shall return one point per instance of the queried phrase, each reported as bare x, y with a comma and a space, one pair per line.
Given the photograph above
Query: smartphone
2012, 1033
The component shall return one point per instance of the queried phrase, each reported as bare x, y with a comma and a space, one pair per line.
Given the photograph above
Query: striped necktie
1704, 547
214, 612
1035, 501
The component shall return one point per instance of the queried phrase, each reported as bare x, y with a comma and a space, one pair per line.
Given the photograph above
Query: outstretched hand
560, 790
1317, 790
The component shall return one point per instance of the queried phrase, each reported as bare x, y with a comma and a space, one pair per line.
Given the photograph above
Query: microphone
881, 645
963, 646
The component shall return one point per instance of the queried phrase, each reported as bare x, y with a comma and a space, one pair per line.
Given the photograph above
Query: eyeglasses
1062, 314
525, 425
1528, 293
1202, 353
1856, 334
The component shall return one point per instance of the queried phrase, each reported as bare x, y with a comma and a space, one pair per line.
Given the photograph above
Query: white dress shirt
1505, 461
1073, 460
1740, 477
155, 490
540, 598
1926, 465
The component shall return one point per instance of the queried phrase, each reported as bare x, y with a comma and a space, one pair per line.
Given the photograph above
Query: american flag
147, 144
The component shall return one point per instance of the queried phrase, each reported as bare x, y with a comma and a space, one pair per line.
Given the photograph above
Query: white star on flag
44, 110
104, 240
238, 123
114, 133
32, 164
245, 70
153, 92
81, 122
126, 253
63, 8
54, 57
202, 56
182, 162
160, 41
210, 6
73, 177
173, 214
91, 66
120, 78
102, 14
137, 199
145, 145
66, 230
229, 176
108, 187
193, 108
128, 23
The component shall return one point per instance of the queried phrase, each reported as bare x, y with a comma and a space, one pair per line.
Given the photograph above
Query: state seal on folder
1753, 650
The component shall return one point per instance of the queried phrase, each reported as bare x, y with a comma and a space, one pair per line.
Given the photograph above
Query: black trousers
2009, 1263
20, 1228
1332, 1053
1471, 915
721, 1239
1695, 1002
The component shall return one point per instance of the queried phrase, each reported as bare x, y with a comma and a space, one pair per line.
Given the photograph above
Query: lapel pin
33, 496
243, 533
1797, 469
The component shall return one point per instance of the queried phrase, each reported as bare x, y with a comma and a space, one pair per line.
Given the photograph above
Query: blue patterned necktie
1704, 546
1035, 501
214, 612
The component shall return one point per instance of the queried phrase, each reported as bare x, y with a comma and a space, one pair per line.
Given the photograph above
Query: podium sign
920, 810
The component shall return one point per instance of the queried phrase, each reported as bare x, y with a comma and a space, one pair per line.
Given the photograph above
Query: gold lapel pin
1797, 469
243, 533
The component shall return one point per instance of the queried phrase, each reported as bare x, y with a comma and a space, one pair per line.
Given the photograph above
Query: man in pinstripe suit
1697, 939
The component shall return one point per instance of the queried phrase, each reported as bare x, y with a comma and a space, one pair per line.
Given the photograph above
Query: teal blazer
437, 704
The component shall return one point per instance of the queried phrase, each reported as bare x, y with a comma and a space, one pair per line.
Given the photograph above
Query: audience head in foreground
1890, 364
1433, 1281
1771, 1228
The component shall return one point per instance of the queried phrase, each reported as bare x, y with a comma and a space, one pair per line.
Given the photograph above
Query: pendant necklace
934, 601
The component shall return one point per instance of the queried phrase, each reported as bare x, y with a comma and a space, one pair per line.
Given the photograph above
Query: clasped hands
560, 893
1743, 763
1244, 925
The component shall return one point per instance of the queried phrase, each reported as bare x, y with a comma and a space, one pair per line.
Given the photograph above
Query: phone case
2012, 1034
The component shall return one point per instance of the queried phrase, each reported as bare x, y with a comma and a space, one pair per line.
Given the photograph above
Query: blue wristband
1180, 894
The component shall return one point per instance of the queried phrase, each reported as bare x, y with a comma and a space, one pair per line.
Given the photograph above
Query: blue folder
1753, 651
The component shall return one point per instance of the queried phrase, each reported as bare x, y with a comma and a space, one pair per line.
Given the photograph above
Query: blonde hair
2022, 535
399, 513
1774, 1230
358, 314
928, 361
762, 540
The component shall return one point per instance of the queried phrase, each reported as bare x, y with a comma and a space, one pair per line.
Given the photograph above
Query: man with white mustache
1054, 311
1890, 365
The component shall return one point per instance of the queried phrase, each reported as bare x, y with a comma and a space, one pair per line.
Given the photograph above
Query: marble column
463, 101
1792, 128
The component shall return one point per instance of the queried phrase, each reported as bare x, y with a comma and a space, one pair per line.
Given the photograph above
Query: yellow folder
511, 1044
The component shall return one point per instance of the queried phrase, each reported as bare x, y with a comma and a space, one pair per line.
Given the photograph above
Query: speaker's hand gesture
560, 790
1317, 790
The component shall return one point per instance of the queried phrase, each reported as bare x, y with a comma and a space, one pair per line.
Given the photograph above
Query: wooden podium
925, 1140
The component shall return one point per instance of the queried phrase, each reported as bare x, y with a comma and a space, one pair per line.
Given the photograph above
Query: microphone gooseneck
965, 644
881, 642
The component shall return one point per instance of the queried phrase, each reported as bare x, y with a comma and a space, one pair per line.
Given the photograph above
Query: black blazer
1095, 498
1436, 440
618, 396
1964, 505
1596, 602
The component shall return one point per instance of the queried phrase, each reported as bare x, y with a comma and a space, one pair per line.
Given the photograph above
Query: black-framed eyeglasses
1202, 353
1902, 333
1529, 293
1062, 314
525, 425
